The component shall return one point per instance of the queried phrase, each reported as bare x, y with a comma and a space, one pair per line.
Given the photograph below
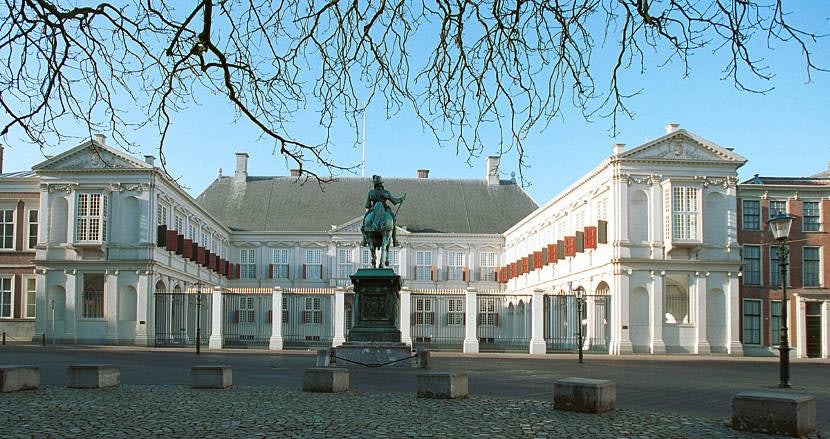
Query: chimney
101, 138
295, 172
492, 176
150, 160
672, 127
423, 173
618, 148
241, 174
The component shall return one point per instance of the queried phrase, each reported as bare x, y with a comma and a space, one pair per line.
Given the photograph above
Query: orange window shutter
464, 274
270, 271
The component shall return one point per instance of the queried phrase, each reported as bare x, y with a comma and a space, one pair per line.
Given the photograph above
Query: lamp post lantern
780, 226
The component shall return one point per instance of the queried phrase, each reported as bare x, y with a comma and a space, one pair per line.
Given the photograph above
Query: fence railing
504, 323
175, 318
437, 321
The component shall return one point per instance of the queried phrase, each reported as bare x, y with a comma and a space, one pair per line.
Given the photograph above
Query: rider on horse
376, 198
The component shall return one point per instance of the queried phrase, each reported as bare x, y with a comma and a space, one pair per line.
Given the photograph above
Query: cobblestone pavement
270, 411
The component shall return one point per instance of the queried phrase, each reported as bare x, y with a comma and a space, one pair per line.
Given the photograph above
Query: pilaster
733, 309
621, 339
404, 318
471, 321
216, 337
537, 339
701, 287
275, 343
111, 306
658, 346
340, 317
71, 314
145, 329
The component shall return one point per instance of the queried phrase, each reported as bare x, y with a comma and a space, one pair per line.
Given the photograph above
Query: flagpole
363, 157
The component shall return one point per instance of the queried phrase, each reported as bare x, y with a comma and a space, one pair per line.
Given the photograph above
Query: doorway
813, 316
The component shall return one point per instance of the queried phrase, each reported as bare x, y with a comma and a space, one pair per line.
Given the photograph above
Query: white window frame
771, 213
10, 293
455, 312
423, 265
424, 311
162, 212
487, 264
29, 224
455, 265
818, 262
395, 260
685, 213
345, 262
178, 223
756, 215
280, 262
247, 263
27, 293
247, 310
487, 311
804, 224
775, 267
312, 311
86, 217
313, 259
4, 226
760, 322
774, 330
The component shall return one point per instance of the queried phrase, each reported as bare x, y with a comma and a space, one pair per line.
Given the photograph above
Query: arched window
676, 300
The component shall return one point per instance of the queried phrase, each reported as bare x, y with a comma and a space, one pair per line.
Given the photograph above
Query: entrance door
813, 329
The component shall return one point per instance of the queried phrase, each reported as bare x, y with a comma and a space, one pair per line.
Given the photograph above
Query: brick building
808, 200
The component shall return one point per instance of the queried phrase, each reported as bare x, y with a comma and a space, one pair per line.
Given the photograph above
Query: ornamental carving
725, 182
68, 187
647, 180
677, 149
135, 187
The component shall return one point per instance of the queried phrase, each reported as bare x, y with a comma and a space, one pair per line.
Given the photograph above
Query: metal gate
437, 321
504, 323
561, 319
247, 319
307, 321
175, 318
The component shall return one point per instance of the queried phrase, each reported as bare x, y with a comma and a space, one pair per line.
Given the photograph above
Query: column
145, 329
471, 322
589, 318
216, 339
111, 306
656, 316
701, 288
798, 325
825, 329
733, 311
405, 317
71, 314
340, 317
537, 337
275, 343
43, 310
620, 319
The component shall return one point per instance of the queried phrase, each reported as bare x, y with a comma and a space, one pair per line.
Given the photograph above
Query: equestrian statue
379, 222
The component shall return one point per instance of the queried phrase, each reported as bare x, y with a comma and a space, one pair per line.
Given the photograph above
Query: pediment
682, 145
353, 226
90, 155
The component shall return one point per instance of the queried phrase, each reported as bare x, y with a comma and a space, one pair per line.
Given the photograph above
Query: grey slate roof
817, 180
431, 206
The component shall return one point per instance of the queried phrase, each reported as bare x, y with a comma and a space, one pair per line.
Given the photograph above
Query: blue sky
781, 132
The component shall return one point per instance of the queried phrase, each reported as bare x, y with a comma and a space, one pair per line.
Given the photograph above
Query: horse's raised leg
384, 249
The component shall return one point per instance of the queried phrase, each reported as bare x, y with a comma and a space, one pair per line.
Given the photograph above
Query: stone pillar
537, 338
145, 321
825, 329
701, 288
216, 338
658, 346
111, 304
471, 324
589, 317
71, 312
275, 343
406, 312
733, 312
43, 311
798, 326
621, 343
340, 317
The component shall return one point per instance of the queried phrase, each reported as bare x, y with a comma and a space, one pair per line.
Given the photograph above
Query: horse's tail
378, 216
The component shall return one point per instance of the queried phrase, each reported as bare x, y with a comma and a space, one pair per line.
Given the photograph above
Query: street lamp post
579, 298
779, 226
198, 317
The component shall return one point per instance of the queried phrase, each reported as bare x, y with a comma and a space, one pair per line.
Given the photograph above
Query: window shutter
161, 235
552, 254
570, 246
464, 319
579, 242
464, 274
237, 271
179, 244
270, 316
432, 273
602, 232
236, 316
270, 271
480, 318
305, 317
304, 273
591, 237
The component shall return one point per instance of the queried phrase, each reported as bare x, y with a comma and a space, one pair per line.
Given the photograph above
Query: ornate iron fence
504, 323
437, 321
246, 319
175, 318
561, 319
307, 320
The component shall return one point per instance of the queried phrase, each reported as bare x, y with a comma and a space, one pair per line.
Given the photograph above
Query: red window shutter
537, 260
172, 240
270, 316
464, 274
591, 237
570, 246
236, 316
270, 271
237, 271
525, 268
432, 273
480, 318
497, 319
551, 253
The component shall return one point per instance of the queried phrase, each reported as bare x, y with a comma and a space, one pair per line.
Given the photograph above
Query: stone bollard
93, 376
15, 378
211, 377
423, 359
323, 358
584, 395
442, 385
326, 380
771, 412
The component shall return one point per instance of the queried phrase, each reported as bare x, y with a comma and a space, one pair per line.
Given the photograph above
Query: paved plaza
674, 396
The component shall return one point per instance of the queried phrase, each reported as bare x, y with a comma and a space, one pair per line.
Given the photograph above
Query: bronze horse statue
379, 222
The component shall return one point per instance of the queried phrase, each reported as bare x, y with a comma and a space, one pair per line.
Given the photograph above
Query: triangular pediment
91, 155
353, 226
682, 145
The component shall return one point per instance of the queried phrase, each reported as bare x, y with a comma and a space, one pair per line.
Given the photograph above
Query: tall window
676, 300
752, 321
810, 214
365, 258
161, 214
487, 315
602, 208
751, 215
424, 314
191, 231
752, 265
247, 263
455, 312
561, 229
487, 262
579, 219
777, 207
314, 264
395, 260
685, 213
91, 219
345, 265
29, 298
179, 224
5, 297
93, 299
33, 221
7, 229
312, 312
423, 265
279, 260
455, 265
811, 263
775, 322
775, 267
247, 313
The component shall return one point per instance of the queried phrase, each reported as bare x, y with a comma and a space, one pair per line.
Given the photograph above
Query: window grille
247, 311
455, 312
810, 216
424, 314
93, 295
751, 215
279, 260
777, 208
455, 265
312, 313
487, 262
423, 265
33, 225
487, 315
247, 263
685, 213
91, 219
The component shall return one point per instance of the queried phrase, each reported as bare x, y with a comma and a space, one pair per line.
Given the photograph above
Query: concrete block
423, 360
14, 378
442, 385
584, 395
211, 377
326, 380
774, 412
323, 358
93, 376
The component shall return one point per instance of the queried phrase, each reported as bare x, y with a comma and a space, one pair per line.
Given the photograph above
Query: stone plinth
93, 376
14, 378
442, 385
376, 304
211, 377
326, 380
424, 359
323, 358
584, 395
373, 354
791, 414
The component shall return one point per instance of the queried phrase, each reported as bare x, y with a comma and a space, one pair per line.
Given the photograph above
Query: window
423, 312
455, 265
579, 220
561, 229
810, 215
751, 215
676, 300
775, 323
247, 263
312, 312
284, 309
775, 267
29, 298
455, 312
752, 321
365, 258
191, 232
602, 208
811, 263
395, 260
487, 261
93, 296
161, 215
423, 265
344, 263
91, 219
487, 315
685, 213
777, 208
247, 314
33, 221
279, 260
7, 229
5, 297
752, 265
313, 264
179, 224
